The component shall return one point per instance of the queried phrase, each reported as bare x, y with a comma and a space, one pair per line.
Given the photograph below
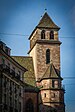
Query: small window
52, 35
47, 56
44, 94
5, 98
19, 106
13, 69
18, 76
15, 103
53, 85
43, 34
15, 89
19, 91
6, 50
56, 84
19, 73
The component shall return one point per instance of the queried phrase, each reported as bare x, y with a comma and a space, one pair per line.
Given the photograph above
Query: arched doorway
29, 106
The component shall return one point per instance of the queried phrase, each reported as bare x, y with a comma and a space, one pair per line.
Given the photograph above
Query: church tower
45, 50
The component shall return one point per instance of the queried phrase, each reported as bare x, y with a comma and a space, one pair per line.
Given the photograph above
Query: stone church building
43, 82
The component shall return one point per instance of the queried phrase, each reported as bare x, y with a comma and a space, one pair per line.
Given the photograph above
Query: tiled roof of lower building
27, 62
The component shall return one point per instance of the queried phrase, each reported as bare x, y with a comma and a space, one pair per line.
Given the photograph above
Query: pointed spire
46, 22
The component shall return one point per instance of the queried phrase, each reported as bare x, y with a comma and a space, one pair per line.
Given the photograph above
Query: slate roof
51, 72
46, 22
27, 62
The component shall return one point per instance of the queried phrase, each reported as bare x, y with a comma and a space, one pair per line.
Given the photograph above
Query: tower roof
46, 22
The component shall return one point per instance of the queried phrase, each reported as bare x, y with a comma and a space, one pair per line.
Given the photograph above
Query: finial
41, 16
45, 10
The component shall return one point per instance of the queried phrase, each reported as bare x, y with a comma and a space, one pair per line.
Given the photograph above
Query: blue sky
21, 17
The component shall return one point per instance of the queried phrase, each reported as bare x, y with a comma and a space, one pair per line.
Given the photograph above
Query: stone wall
41, 57
37, 36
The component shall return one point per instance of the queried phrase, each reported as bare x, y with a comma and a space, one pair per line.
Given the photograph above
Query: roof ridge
22, 56
45, 72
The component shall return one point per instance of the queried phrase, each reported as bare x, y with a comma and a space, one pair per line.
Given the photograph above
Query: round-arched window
51, 34
43, 34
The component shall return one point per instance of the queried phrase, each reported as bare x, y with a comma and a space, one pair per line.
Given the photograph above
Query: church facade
43, 82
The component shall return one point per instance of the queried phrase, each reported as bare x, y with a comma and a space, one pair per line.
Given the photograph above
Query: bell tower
45, 46
45, 50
